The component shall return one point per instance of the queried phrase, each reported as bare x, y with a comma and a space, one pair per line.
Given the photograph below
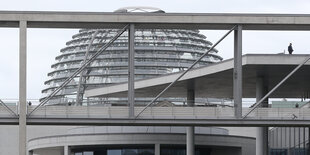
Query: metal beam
91, 59
41, 19
160, 122
131, 70
188, 69
169, 122
237, 74
8, 108
81, 89
22, 87
277, 86
82, 80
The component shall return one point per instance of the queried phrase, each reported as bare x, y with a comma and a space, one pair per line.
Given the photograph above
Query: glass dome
157, 52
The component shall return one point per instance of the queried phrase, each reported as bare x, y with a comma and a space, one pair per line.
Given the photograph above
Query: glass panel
173, 151
88, 153
129, 152
114, 152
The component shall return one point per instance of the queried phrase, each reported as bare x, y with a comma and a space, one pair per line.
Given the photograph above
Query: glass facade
141, 150
157, 52
289, 141
181, 150
114, 150
118, 152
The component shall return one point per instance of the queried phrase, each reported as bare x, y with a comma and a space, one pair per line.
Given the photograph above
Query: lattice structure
157, 52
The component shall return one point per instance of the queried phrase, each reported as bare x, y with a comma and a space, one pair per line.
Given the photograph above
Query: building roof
216, 80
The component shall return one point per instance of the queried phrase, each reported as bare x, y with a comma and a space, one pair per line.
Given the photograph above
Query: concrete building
157, 52
289, 141
141, 141
262, 72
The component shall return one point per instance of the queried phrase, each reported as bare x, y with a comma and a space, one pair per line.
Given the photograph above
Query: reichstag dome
157, 52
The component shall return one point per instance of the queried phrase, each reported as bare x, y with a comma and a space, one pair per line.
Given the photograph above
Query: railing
5, 113
168, 112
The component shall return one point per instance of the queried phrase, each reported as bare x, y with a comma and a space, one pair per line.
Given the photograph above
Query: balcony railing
167, 112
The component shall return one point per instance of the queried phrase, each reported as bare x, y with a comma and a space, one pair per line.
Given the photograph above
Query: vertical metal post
157, 149
22, 86
190, 131
131, 69
304, 140
261, 132
237, 77
299, 140
294, 146
289, 140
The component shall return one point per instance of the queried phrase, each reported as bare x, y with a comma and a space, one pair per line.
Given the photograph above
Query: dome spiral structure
157, 52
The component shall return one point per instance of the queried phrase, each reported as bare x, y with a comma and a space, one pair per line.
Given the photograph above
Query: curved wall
88, 141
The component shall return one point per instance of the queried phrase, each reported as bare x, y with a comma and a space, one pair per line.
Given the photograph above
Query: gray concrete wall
246, 145
9, 135
242, 131
9, 138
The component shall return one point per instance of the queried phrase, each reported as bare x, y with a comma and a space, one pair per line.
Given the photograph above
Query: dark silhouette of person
290, 49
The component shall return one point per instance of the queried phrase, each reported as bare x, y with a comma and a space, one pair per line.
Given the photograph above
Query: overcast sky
44, 44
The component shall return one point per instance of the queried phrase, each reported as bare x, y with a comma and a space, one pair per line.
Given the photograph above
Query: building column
67, 150
308, 144
261, 132
190, 131
131, 69
22, 87
190, 140
157, 149
30, 152
237, 74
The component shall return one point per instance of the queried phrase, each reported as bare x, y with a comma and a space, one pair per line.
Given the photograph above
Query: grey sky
44, 44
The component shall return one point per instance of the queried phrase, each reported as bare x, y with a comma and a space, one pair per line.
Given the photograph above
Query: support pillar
308, 144
131, 69
190, 140
237, 74
30, 152
261, 132
157, 149
67, 150
190, 131
22, 87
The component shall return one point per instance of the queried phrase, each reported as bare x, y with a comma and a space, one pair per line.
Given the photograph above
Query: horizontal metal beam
169, 122
159, 122
9, 121
155, 20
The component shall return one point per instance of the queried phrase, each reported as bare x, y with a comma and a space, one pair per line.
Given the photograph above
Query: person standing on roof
290, 49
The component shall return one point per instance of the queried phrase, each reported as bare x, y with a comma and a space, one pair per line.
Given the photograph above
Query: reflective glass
114, 152
88, 153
